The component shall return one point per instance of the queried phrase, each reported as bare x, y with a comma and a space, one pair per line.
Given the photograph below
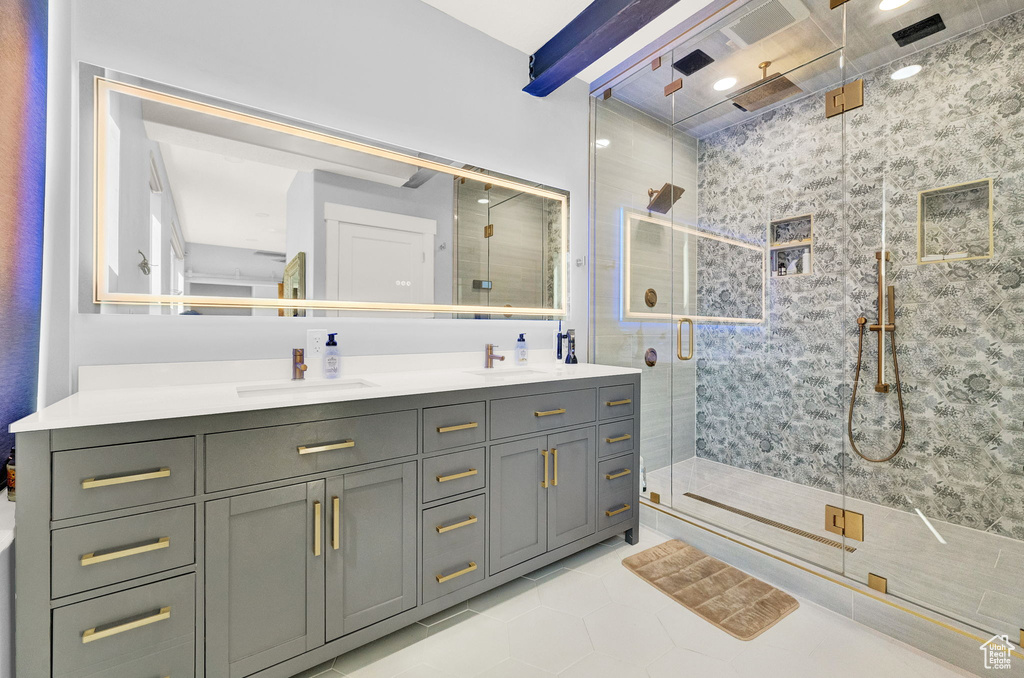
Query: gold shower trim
991, 222
101, 294
627, 313
827, 578
773, 523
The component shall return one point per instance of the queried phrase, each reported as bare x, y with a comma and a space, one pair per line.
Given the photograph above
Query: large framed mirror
201, 207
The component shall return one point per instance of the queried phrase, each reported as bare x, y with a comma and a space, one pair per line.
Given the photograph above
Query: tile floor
898, 544
588, 617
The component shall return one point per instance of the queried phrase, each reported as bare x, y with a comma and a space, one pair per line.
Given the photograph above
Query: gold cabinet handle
316, 528
94, 558
92, 634
613, 476
619, 439
336, 528
441, 529
458, 427
625, 507
326, 448
90, 483
544, 482
679, 339
548, 413
614, 403
554, 453
456, 476
448, 577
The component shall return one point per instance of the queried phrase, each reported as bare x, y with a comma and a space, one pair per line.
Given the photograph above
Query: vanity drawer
89, 556
107, 478
616, 479
530, 414
453, 544
174, 662
453, 426
454, 473
122, 625
615, 438
616, 401
253, 456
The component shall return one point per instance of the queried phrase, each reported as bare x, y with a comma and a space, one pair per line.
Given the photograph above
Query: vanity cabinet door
518, 502
370, 546
265, 554
572, 492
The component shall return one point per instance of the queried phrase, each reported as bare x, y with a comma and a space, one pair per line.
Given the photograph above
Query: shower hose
862, 322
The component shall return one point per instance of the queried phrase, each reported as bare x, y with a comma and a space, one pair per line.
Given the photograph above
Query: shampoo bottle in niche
332, 358
521, 351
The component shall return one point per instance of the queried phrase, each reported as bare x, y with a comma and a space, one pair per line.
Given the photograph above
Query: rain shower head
770, 89
663, 199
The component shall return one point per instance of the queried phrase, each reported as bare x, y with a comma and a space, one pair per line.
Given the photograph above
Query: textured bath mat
728, 598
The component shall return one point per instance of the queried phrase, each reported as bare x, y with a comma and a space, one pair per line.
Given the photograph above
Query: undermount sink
303, 387
513, 374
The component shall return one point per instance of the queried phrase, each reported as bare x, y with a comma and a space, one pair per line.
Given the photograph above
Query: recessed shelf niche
954, 223
791, 241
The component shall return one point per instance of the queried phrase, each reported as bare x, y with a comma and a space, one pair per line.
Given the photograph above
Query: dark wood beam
588, 37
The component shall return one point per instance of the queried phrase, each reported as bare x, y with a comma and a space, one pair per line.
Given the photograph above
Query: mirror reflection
207, 210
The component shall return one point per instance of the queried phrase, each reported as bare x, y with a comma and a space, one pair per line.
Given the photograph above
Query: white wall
394, 70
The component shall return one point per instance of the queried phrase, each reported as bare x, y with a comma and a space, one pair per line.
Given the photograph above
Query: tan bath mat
728, 598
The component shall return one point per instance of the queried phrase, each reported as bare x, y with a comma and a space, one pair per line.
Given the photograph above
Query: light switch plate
316, 342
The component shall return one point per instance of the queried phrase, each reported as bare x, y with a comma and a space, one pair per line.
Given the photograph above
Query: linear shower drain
767, 521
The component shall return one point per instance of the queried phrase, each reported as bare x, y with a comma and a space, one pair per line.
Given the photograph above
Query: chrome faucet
298, 364
490, 356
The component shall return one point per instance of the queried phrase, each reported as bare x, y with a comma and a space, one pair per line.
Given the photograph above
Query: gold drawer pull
459, 427
336, 527
613, 403
554, 455
326, 448
90, 483
92, 634
544, 483
625, 507
613, 476
619, 439
453, 575
560, 410
456, 476
93, 558
441, 529
316, 528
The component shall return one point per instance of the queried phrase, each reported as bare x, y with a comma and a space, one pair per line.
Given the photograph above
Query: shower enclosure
801, 205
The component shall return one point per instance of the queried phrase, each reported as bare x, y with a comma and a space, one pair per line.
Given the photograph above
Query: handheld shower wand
880, 386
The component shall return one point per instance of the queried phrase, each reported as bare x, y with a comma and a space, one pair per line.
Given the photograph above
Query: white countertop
121, 394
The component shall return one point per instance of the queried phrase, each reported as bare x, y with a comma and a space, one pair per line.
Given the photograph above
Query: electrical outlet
316, 342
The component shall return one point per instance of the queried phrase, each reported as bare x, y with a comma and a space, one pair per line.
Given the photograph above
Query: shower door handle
679, 339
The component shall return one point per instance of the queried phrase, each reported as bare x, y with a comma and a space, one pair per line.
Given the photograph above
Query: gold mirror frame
628, 218
102, 295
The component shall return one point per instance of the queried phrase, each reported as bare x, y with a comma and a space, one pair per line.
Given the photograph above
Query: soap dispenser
332, 358
521, 351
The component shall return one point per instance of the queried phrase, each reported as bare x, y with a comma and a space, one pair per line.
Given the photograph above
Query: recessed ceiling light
602, 143
483, 201
907, 72
725, 83
886, 5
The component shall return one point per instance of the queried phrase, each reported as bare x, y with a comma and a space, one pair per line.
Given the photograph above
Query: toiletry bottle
521, 351
558, 342
10, 476
805, 262
570, 351
332, 358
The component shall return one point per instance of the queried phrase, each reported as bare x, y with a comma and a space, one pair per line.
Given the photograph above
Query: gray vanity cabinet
543, 495
572, 488
519, 503
370, 546
264, 578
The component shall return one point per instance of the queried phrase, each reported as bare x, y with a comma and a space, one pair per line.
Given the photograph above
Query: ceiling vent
765, 21
919, 31
693, 62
